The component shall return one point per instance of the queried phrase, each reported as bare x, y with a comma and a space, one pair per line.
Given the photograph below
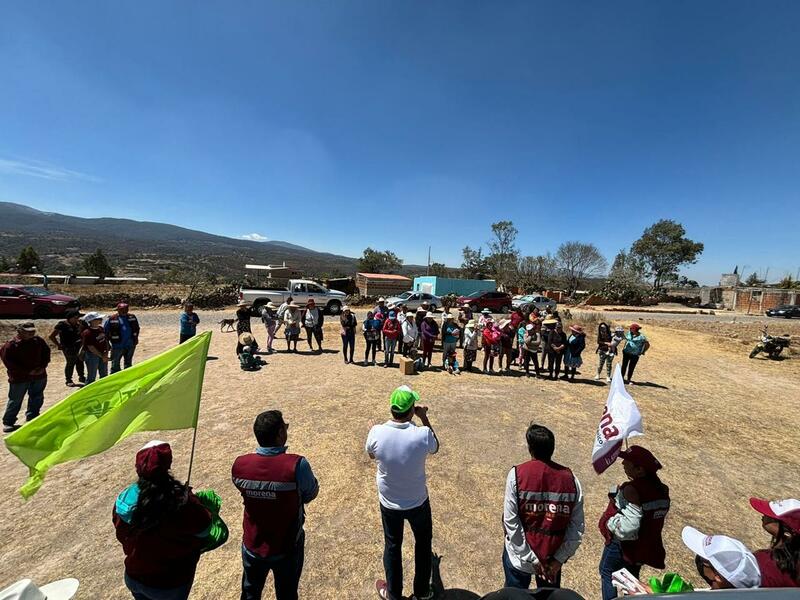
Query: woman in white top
291, 322
410, 335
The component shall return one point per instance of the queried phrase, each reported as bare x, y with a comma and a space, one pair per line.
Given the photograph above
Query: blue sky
340, 125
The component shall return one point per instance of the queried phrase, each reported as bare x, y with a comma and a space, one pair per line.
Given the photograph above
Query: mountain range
155, 250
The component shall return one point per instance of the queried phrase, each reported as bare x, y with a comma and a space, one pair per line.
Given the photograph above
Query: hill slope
147, 248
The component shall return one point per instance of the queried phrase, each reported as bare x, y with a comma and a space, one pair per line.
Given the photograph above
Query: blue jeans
286, 570
94, 365
145, 592
612, 561
16, 393
522, 580
388, 353
119, 353
422, 526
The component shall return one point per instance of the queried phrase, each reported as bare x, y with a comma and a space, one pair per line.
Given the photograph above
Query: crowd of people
527, 338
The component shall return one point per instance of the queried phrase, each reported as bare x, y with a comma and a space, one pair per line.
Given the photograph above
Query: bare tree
536, 273
504, 254
577, 261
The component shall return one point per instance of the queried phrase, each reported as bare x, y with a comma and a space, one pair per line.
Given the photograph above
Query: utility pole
428, 270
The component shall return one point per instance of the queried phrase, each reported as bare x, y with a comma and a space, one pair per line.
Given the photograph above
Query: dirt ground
724, 426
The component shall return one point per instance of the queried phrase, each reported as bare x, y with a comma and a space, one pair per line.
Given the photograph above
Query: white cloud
253, 237
43, 170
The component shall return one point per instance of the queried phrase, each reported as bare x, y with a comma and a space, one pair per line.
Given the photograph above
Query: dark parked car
494, 301
787, 311
32, 301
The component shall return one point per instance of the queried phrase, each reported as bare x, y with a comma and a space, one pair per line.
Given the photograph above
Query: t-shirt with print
95, 338
400, 450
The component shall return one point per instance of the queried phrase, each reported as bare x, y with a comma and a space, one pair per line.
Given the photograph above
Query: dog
227, 323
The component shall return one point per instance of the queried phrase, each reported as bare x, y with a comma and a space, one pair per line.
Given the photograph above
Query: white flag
621, 419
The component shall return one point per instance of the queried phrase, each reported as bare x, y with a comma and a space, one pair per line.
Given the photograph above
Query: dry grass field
725, 428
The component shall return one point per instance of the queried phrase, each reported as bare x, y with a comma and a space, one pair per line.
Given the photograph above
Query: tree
373, 261
438, 269
664, 248
685, 282
628, 267
753, 280
504, 254
788, 283
475, 265
536, 273
28, 260
577, 261
97, 264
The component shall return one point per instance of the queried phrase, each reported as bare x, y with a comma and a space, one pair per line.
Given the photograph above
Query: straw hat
471, 323
448, 316
63, 589
549, 321
272, 305
504, 322
293, 304
242, 303
246, 338
421, 310
345, 307
429, 315
576, 328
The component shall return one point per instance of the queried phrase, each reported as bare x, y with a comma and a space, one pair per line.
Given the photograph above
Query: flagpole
191, 456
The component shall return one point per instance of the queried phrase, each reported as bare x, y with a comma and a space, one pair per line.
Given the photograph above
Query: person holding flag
634, 519
542, 515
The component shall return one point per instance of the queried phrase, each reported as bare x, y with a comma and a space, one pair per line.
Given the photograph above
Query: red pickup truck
494, 301
33, 301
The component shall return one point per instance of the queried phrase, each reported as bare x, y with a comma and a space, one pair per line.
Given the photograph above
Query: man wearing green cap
401, 449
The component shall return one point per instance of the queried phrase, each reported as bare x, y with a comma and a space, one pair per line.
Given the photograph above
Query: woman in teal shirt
636, 345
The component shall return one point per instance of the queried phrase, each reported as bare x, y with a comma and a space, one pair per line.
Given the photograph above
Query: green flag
162, 392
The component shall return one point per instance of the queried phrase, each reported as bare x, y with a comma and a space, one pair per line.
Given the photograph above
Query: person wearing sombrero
576, 342
780, 563
270, 321
556, 345
313, 319
490, 337
633, 521
507, 336
471, 337
636, 344
163, 528
291, 323
429, 331
243, 313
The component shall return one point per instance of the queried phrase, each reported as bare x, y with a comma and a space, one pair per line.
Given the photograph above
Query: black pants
419, 519
185, 336
554, 363
348, 343
285, 569
628, 365
372, 345
529, 354
73, 364
316, 333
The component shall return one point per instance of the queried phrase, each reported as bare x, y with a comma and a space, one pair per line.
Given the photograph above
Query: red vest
771, 575
272, 507
546, 497
648, 549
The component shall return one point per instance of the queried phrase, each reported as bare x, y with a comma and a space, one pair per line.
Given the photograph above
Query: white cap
63, 589
381, 299
93, 316
729, 557
429, 314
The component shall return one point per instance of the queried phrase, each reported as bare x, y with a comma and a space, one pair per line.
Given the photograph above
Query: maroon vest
272, 507
546, 497
648, 549
771, 575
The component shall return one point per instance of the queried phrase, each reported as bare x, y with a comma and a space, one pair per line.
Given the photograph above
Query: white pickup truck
300, 290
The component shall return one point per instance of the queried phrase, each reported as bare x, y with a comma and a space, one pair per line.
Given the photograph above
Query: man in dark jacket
275, 488
122, 330
26, 357
66, 336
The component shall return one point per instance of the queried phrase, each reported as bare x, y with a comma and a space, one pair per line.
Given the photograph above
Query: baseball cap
92, 316
403, 398
381, 299
785, 511
26, 326
729, 557
641, 457
155, 458
122, 305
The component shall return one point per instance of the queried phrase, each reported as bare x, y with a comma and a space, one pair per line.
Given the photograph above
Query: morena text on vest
553, 508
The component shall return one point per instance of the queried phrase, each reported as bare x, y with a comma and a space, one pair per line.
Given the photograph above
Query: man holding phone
401, 448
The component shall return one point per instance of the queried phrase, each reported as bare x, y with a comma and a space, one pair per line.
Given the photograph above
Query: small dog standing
229, 323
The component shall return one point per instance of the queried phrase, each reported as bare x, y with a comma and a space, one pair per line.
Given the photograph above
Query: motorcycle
772, 345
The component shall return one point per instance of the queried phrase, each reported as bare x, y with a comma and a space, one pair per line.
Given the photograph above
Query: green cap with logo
403, 398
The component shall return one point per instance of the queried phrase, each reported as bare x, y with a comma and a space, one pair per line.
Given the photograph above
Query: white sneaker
597, 377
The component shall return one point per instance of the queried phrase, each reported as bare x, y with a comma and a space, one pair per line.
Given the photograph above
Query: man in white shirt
401, 448
542, 515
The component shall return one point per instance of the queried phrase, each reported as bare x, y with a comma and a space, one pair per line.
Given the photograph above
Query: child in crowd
248, 361
451, 362
470, 344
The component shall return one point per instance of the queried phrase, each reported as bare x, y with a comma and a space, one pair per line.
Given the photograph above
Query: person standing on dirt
348, 323
25, 357
636, 345
419, 317
312, 322
542, 515
291, 322
634, 519
275, 487
189, 321
95, 347
401, 449
281, 311
531, 342
392, 332
572, 356
162, 526
66, 336
780, 564
429, 331
271, 323
556, 344
381, 312
243, 313
603, 350
451, 333
122, 331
